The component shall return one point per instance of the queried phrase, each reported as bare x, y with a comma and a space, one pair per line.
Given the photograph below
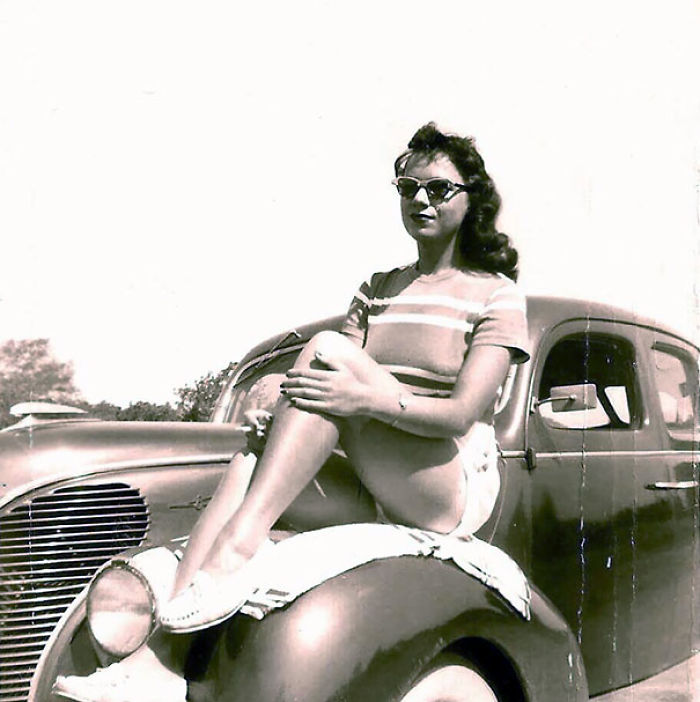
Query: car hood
67, 448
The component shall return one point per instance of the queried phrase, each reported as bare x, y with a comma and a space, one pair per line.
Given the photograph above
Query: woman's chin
430, 236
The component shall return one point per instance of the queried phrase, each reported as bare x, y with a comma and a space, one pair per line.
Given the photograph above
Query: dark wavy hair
480, 244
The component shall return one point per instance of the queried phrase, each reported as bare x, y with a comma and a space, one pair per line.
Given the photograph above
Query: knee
330, 343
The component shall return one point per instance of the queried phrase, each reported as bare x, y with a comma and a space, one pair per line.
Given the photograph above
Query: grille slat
89, 506
61, 504
38, 594
49, 550
85, 491
17, 640
96, 551
64, 535
16, 623
28, 645
50, 563
7, 659
29, 608
31, 581
57, 522
75, 524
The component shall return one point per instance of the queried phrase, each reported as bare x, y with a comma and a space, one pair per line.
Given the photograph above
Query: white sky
179, 180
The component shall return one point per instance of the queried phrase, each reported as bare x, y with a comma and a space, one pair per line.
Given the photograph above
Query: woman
408, 388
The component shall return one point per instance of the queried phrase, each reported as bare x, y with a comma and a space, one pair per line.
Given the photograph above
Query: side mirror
569, 398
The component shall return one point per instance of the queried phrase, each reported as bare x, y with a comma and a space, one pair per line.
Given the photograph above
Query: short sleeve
503, 322
355, 322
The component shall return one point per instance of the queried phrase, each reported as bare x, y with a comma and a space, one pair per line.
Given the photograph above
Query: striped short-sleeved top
420, 327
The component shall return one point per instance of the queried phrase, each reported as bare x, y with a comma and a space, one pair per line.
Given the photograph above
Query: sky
180, 180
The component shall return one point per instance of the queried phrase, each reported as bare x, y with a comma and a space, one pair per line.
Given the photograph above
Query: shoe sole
72, 697
68, 696
176, 629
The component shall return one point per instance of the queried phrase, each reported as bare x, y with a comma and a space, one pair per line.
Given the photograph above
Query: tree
101, 410
197, 401
140, 411
30, 372
147, 412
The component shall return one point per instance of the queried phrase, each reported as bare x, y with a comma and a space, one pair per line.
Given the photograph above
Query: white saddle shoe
115, 684
210, 600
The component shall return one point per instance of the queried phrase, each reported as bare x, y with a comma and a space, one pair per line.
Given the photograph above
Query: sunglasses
437, 189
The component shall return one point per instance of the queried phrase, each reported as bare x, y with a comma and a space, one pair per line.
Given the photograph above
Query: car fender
368, 633
68, 650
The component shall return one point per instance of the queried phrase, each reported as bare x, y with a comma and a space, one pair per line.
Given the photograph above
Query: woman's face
423, 219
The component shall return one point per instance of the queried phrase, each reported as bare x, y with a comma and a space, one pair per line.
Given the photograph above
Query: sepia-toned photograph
349, 351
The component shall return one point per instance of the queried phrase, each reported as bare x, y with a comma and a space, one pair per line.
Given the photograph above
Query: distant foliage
196, 401
101, 410
30, 372
147, 412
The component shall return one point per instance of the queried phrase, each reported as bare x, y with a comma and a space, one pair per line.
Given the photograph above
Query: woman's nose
421, 196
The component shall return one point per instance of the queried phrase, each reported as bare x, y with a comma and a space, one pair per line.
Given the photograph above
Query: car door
674, 377
607, 548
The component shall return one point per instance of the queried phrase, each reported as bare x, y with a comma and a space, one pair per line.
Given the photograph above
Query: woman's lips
421, 218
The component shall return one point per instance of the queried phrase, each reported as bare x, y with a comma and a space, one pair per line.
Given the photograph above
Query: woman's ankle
233, 550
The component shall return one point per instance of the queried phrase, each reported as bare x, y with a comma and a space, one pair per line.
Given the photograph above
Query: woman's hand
257, 426
332, 390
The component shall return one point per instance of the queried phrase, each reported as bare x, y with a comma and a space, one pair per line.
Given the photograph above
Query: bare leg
423, 479
298, 445
226, 500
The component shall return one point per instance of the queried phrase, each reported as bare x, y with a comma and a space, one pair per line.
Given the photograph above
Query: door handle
679, 485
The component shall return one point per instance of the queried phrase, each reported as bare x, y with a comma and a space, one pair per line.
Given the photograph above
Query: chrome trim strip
224, 403
161, 462
670, 485
76, 610
621, 454
268, 355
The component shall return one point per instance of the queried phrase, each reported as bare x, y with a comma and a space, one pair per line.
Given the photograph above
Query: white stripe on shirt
440, 300
430, 319
362, 298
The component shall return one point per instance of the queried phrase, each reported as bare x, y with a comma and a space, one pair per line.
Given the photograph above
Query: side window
589, 381
676, 382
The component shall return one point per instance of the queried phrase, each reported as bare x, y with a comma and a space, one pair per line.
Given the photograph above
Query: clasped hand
332, 390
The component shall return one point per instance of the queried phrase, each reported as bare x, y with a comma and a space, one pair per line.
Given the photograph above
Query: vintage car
598, 506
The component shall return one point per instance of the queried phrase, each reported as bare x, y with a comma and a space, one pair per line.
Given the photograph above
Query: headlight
123, 600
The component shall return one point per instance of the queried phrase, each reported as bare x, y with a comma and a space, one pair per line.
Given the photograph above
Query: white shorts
478, 452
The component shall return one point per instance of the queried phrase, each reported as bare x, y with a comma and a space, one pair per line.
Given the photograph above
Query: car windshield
255, 386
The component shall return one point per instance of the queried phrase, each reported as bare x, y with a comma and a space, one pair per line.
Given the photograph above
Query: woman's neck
432, 259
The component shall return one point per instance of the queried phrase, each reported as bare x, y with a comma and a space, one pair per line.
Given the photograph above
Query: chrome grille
49, 549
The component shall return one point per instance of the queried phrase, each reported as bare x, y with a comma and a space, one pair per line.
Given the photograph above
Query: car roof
549, 310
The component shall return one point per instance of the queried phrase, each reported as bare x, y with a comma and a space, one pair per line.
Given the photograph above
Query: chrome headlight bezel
121, 593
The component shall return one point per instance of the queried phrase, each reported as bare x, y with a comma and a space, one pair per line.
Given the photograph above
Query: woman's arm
337, 391
482, 373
